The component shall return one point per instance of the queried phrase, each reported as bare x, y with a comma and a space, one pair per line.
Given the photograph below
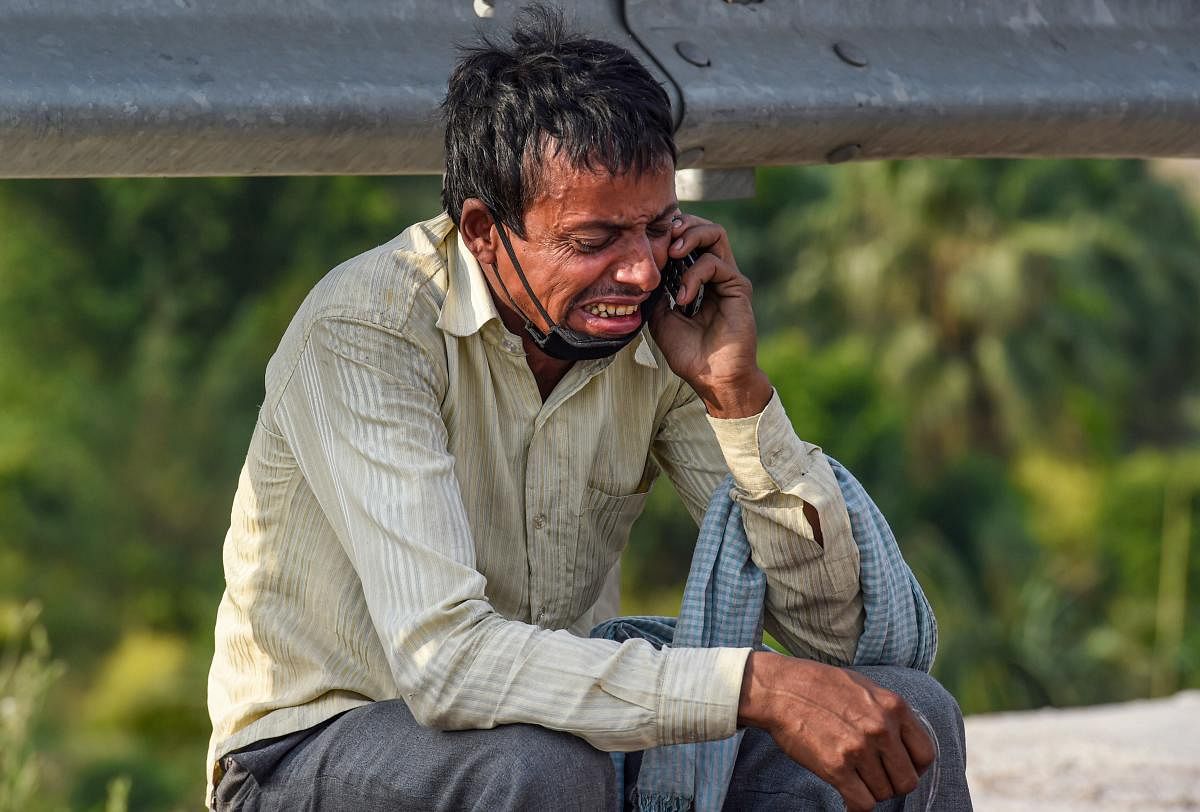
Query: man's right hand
858, 736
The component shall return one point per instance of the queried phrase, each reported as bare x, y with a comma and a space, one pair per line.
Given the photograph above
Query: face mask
560, 342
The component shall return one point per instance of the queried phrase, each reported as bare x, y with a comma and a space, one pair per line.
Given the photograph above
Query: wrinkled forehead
570, 195
551, 163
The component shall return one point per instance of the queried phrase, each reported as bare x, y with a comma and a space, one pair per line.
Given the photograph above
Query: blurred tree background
1007, 353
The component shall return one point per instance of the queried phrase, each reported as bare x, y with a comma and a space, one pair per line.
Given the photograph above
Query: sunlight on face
594, 244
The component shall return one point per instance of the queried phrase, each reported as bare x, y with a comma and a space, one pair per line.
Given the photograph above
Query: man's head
566, 142
550, 93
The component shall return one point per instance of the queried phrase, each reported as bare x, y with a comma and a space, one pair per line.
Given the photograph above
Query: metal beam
828, 81
267, 87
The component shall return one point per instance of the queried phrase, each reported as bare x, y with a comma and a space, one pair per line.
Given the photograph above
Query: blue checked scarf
723, 607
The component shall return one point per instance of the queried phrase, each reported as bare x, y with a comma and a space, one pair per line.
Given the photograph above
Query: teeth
606, 310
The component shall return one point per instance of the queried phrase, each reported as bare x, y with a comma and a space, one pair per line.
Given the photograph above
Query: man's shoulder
397, 287
389, 285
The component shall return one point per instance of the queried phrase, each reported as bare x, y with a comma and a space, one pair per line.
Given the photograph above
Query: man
460, 427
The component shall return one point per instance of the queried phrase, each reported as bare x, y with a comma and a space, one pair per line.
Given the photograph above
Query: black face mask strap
559, 341
529, 326
512, 256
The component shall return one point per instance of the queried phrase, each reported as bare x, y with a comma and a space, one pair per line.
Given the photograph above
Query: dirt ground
1134, 756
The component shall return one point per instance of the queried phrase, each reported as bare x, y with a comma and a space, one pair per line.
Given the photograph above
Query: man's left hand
716, 350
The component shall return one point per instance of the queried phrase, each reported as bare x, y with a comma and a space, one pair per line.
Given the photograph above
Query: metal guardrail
267, 87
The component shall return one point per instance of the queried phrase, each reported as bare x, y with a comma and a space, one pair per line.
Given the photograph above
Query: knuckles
877, 728
854, 754
892, 704
843, 761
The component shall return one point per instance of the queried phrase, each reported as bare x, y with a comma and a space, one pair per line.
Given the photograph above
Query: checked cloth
723, 607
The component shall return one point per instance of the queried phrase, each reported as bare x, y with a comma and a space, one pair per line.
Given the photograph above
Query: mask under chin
560, 342
566, 344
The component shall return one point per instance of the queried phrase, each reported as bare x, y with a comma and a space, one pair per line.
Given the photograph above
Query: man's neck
547, 371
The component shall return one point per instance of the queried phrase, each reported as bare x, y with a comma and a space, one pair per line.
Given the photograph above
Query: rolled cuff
699, 695
762, 451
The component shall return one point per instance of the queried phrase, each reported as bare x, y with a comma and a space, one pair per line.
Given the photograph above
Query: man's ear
475, 225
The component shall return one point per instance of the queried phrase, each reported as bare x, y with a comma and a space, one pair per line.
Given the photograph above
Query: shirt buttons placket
539, 521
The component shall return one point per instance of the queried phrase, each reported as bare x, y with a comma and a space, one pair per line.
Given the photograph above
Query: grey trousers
378, 757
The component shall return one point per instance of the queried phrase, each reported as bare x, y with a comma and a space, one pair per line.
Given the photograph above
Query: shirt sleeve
794, 514
362, 412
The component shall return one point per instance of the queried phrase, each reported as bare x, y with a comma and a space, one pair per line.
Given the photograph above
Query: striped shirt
414, 522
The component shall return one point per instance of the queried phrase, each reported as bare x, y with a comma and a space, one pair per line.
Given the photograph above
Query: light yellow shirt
413, 522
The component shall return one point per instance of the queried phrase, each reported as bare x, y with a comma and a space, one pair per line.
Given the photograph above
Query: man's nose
639, 267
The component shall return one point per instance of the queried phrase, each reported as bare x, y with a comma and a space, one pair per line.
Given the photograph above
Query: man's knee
545, 769
924, 694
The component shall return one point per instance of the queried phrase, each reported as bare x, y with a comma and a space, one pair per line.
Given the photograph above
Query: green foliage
136, 318
1005, 352
117, 799
26, 675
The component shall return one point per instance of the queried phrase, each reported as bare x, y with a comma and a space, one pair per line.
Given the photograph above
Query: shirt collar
469, 306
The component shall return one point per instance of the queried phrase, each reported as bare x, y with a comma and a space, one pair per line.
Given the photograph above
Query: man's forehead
577, 197
624, 218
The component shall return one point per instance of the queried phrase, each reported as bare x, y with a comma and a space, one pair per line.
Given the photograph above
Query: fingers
715, 264
917, 741
855, 793
882, 759
876, 779
905, 750
711, 269
694, 278
902, 773
689, 233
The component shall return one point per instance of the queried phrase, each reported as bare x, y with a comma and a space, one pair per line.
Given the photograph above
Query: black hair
505, 105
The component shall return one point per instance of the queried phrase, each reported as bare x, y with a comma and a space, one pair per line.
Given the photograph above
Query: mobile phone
672, 281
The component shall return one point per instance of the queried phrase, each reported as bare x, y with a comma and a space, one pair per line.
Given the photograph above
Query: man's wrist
743, 397
754, 702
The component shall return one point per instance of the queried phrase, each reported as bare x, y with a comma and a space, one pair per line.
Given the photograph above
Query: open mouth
610, 319
606, 311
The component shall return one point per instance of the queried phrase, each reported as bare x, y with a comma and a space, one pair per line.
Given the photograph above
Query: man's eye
659, 230
584, 247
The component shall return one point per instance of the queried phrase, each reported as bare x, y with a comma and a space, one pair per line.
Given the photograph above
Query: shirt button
539, 521
511, 345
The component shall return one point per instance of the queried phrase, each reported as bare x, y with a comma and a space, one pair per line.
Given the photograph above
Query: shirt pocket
604, 524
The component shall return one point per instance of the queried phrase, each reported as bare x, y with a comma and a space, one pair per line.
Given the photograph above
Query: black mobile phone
672, 281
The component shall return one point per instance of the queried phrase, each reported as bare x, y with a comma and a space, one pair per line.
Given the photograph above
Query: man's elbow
433, 699
436, 680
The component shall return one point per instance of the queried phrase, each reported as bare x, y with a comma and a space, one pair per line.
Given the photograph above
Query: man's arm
796, 520
853, 733
792, 507
361, 411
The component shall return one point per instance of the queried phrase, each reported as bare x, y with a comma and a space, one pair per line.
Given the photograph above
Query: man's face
593, 247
